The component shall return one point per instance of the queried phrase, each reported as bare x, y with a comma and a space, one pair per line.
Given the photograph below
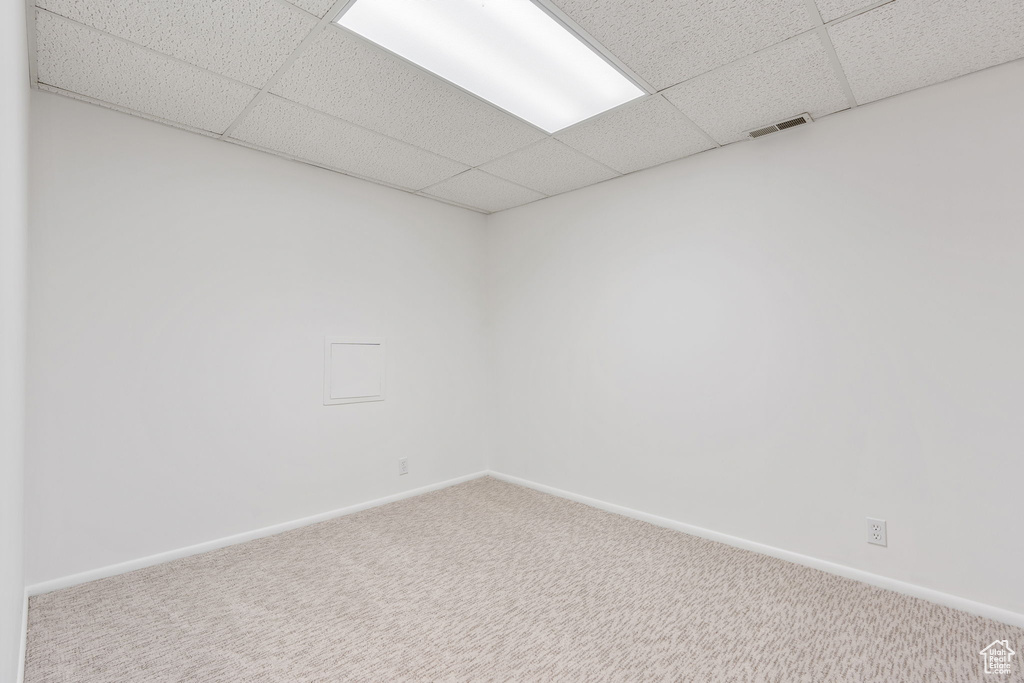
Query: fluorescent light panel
509, 52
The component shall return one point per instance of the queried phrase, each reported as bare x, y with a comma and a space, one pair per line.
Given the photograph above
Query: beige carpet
486, 581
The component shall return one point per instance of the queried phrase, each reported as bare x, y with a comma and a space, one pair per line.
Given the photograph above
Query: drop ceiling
281, 77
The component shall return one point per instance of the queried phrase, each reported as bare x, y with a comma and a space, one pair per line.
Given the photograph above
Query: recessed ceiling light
511, 53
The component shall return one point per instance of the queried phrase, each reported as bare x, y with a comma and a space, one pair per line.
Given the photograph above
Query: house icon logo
998, 657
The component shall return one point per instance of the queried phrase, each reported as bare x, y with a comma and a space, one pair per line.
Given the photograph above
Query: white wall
774, 340
179, 292
13, 185
778, 339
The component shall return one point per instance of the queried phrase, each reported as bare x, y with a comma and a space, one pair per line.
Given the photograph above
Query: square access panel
353, 370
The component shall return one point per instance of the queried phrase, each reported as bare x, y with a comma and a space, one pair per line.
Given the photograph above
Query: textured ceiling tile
72, 57
643, 133
912, 43
317, 7
549, 167
484, 191
344, 76
244, 39
778, 83
668, 41
833, 9
306, 134
125, 110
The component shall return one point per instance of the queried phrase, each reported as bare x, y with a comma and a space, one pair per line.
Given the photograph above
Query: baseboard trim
160, 558
913, 590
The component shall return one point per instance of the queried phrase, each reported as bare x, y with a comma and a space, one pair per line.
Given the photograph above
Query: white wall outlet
876, 532
403, 467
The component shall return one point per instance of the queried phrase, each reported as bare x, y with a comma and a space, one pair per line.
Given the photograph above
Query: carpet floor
486, 581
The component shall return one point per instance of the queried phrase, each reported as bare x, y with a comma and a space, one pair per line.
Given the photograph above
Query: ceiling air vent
776, 127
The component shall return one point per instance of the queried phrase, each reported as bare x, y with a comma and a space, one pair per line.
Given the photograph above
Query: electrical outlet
876, 532
403, 467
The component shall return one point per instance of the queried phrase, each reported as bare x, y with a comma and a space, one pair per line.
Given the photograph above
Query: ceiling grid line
139, 46
338, 7
857, 12
321, 112
814, 29
451, 202
432, 75
744, 59
46, 87
303, 10
837, 66
584, 122
476, 172
596, 45
715, 143
322, 79
344, 172
830, 50
550, 138
648, 133
504, 180
326, 167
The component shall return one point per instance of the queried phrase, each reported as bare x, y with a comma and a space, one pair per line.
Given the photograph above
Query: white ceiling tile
247, 40
668, 41
643, 133
125, 110
912, 43
549, 167
483, 191
775, 84
353, 80
300, 132
76, 58
833, 9
317, 7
